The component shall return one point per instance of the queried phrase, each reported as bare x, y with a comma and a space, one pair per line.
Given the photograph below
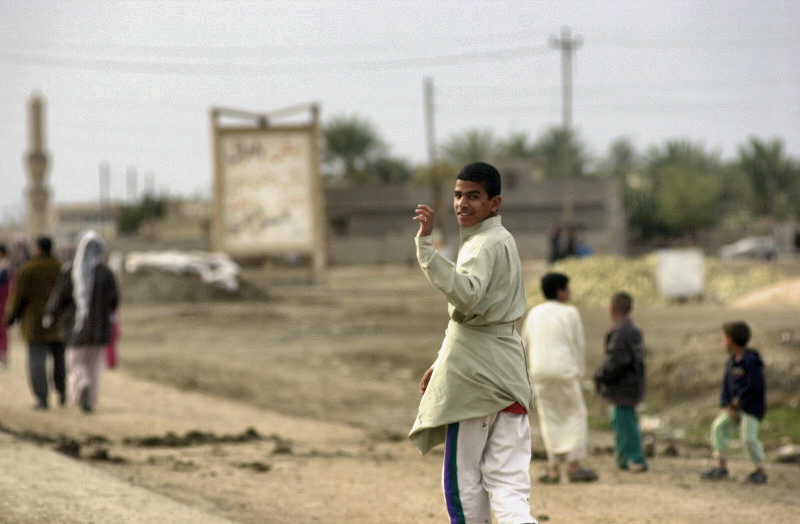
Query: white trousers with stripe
486, 468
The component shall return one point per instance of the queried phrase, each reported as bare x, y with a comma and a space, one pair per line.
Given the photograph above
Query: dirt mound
785, 293
162, 287
595, 279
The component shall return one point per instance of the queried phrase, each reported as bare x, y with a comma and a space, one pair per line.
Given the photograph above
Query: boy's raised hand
425, 216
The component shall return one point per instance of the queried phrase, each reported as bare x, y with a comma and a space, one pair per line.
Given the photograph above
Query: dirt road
294, 409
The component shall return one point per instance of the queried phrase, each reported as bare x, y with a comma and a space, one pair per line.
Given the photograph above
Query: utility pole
430, 131
430, 136
567, 45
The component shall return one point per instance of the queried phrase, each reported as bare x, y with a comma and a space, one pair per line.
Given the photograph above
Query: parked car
751, 247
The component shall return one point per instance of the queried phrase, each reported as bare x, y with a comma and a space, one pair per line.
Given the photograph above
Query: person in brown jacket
85, 296
32, 286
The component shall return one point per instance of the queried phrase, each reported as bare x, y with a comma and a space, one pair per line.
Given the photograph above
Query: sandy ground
294, 408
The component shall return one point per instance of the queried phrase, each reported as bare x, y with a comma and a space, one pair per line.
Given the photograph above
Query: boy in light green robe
481, 372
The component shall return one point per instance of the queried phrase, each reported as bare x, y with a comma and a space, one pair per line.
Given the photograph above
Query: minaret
36, 160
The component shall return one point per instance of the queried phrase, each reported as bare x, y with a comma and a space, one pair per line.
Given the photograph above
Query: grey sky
131, 82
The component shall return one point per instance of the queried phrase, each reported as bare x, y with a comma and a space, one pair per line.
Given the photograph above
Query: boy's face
727, 342
472, 204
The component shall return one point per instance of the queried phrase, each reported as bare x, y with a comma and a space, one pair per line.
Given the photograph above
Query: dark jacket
745, 380
96, 330
621, 377
29, 293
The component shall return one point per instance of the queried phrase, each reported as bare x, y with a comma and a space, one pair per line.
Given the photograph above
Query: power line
196, 68
678, 85
649, 41
303, 49
671, 42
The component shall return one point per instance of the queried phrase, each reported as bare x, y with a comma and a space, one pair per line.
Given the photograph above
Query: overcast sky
131, 83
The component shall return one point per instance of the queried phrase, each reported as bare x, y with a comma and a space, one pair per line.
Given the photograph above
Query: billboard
268, 198
266, 190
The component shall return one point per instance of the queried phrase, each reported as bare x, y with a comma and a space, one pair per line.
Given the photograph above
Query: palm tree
773, 177
471, 146
351, 144
516, 147
683, 152
549, 148
683, 185
622, 159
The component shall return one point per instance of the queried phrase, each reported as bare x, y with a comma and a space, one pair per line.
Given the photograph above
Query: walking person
30, 291
620, 380
554, 338
85, 297
476, 395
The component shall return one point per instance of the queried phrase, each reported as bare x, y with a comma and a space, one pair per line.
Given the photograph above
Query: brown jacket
29, 294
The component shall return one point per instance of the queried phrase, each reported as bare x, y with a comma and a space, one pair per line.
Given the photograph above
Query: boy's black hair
484, 174
551, 283
738, 331
3, 249
44, 244
622, 302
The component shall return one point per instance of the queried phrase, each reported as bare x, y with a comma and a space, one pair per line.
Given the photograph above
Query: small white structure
216, 269
680, 273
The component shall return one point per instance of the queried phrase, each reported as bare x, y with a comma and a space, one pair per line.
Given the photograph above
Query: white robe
554, 338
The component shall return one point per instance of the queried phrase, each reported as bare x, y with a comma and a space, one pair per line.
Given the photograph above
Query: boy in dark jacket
743, 396
620, 380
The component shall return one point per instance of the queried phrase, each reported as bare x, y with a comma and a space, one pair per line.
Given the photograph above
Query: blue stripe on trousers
450, 481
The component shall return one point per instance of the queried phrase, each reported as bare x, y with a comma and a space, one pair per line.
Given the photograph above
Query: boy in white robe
553, 334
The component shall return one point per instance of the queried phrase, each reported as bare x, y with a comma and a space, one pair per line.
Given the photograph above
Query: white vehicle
753, 247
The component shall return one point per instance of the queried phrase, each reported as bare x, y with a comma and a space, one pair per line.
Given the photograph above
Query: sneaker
582, 475
715, 474
757, 477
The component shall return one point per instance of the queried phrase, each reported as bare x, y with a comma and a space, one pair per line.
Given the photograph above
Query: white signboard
267, 190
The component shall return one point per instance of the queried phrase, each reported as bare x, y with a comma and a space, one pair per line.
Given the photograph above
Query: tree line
670, 190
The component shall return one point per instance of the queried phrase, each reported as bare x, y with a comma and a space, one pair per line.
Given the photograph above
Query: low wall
373, 224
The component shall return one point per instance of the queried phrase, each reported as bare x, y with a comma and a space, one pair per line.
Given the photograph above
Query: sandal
546, 478
582, 475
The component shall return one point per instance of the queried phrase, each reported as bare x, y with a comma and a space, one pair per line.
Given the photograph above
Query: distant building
67, 221
372, 224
